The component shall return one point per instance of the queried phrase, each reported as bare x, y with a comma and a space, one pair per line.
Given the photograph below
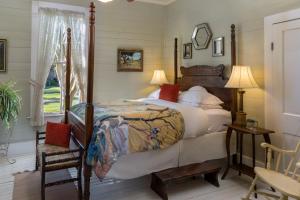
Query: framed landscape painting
3, 44
130, 60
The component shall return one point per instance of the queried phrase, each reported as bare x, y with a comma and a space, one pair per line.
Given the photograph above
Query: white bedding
193, 150
197, 120
196, 146
217, 118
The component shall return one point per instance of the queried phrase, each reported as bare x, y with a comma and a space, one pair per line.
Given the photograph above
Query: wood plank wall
118, 25
248, 16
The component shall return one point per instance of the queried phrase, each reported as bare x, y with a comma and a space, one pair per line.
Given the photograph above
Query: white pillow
154, 94
198, 95
194, 96
198, 88
189, 103
211, 100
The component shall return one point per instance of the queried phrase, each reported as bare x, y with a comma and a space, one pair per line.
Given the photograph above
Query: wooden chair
52, 158
287, 183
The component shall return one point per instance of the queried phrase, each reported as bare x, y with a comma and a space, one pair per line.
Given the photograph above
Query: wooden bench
160, 180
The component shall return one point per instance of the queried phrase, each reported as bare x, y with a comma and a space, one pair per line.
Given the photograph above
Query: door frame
269, 21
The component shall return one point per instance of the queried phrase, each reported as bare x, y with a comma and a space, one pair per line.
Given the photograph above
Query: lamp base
241, 119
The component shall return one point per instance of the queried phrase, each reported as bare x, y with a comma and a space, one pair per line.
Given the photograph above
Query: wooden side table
241, 130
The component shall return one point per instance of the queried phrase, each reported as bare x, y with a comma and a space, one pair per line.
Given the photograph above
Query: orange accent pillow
169, 92
58, 134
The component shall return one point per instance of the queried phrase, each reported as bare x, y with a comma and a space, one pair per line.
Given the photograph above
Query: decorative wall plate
201, 36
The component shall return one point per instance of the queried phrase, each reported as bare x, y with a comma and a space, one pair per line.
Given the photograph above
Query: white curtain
52, 49
77, 23
49, 26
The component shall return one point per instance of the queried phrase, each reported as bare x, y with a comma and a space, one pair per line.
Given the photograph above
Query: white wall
118, 25
248, 15
15, 26
123, 25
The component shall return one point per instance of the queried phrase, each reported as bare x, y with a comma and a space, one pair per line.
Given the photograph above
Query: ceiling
160, 2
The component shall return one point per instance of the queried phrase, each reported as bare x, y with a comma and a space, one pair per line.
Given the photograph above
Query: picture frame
218, 47
3, 55
188, 51
130, 60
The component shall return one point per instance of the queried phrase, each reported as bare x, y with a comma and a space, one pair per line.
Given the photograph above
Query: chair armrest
267, 145
298, 165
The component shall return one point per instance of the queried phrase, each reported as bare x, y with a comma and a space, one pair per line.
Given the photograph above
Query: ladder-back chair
286, 183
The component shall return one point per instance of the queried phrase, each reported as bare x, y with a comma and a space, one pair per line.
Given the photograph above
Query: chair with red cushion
55, 154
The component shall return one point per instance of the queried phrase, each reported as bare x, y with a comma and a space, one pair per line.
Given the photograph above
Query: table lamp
159, 78
241, 78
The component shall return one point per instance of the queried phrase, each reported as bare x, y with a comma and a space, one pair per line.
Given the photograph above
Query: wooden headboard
213, 79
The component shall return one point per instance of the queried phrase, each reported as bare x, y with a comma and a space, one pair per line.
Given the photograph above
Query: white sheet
193, 150
217, 118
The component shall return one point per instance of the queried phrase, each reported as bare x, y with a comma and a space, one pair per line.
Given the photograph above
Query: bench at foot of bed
161, 180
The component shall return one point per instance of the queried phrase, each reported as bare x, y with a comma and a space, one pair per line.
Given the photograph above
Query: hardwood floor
7, 170
233, 188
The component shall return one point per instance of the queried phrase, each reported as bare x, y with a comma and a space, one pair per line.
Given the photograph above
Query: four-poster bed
212, 78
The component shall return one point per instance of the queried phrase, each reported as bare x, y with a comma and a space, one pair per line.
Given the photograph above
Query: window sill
53, 114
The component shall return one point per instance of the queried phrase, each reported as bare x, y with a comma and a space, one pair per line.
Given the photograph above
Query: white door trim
268, 23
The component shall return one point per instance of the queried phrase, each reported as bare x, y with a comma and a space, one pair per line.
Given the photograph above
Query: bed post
233, 45
68, 76
89, 113
176, 61
233, 62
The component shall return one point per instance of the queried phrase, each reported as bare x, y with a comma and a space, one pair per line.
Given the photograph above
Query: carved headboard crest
204, 75
203, 70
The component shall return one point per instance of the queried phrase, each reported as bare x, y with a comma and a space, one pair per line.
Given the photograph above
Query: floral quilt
129, 128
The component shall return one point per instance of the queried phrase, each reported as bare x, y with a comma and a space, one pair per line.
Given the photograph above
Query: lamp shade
159, 77
105, 1
241, 77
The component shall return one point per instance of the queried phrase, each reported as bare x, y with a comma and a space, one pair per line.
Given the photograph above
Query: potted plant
10, 105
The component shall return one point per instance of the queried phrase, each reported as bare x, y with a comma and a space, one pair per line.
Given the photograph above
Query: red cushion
58, 134
169, 92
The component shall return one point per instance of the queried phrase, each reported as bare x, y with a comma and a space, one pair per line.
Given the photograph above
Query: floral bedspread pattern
129, 128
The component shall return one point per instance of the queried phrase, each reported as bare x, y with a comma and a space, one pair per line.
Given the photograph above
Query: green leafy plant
10, 103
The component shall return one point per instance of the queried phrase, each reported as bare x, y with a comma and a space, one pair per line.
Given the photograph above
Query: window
52, 93
48, 56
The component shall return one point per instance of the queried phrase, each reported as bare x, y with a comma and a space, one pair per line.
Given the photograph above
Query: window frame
35, 34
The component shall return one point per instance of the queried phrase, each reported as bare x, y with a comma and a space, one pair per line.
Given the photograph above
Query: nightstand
241, 130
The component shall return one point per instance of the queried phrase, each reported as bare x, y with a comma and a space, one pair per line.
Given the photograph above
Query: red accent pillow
169, 92
58, 134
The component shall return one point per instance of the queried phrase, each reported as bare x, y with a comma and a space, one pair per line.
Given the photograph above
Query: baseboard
248, 161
